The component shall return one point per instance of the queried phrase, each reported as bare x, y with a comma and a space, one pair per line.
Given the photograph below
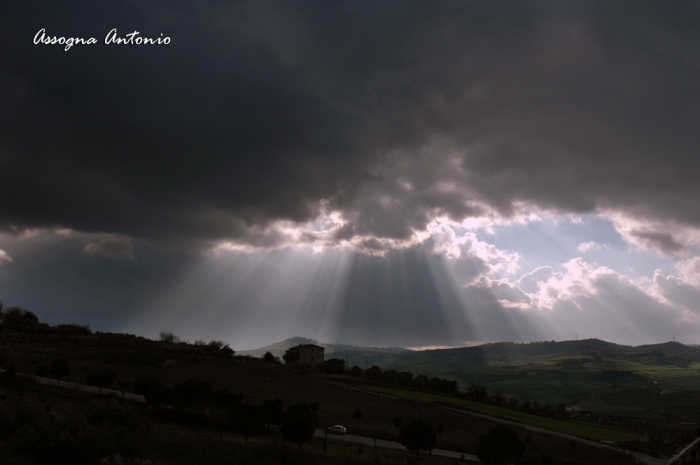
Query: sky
383, 173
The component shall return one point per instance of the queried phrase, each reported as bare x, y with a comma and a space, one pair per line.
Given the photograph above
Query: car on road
337, 429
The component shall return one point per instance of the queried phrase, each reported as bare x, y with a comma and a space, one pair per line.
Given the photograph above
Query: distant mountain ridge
339, 350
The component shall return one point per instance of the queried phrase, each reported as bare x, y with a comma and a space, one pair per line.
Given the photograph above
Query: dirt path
84, 387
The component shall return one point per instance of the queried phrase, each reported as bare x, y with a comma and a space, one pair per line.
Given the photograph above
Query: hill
599, 376
355, 355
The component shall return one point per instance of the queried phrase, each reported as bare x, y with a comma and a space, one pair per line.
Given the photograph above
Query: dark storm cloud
663, 242
392, 112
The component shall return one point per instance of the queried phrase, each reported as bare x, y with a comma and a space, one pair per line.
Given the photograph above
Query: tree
153, 390
42, 370
124, 385
273, 412
373, 372
500, 446
219, 349
59, 368
168, 337
299, 423
420, 381
248, 419
226, 352
356, 371
16, 316
101, 380
290, 356
334, 365
398, 421
405, 378
418, 435
193, 392
269, 358
439, 428
390, 376
357, 415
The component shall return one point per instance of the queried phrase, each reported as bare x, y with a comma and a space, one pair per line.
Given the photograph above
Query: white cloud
690, 270
4, 257
598, 302
588, 246
470, 257
111, 247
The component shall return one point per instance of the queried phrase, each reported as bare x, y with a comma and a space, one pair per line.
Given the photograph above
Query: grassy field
628, 385
570, 427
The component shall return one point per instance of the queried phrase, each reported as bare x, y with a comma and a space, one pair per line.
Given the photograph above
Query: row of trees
391, 376
480, 393
474, 391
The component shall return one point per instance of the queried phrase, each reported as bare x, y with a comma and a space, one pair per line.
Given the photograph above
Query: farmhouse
306, 354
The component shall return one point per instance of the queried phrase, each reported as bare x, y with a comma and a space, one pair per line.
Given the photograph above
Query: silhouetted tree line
480, 393
391, 376
473, 391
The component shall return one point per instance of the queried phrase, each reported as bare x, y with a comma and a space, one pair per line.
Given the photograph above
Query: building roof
301, 346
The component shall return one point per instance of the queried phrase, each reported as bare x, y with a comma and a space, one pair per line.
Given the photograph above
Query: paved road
392, 445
